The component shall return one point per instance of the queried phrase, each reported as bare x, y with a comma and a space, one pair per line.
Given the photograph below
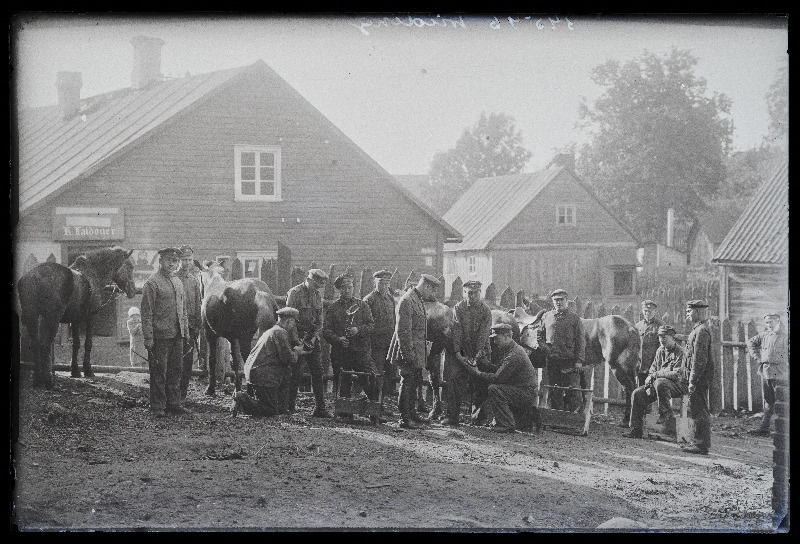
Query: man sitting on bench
665, 379
512, 389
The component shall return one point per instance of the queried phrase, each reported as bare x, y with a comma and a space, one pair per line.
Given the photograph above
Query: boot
436, 411
319, 398
634, 433
405, 402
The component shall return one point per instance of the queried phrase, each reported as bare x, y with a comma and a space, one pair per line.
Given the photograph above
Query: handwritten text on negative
521, 21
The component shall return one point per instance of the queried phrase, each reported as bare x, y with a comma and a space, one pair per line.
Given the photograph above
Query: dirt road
89, 456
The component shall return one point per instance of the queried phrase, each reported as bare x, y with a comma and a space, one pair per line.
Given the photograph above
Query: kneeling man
269, 367
665, 379
512, 389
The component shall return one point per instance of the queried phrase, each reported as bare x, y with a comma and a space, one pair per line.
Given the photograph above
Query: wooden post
588, 313
755, 379
741, 383
329, 292
284, 268
269, 275
440, 290
629, 315
409, 280
727, 366
237, 272
615, 310
519, 300
578, 305
507, 299
366, 283
456, 291
601, 310
715, 389
297, 276
395, 283
491, 295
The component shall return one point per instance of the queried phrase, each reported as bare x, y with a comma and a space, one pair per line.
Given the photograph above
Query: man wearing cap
700, 366
648, 338
771, 349
665, 379
410, 341
307, 299
472, 324
164, 326
348, 327
512, 388
269, 368
561, 335
191, 289
381, 304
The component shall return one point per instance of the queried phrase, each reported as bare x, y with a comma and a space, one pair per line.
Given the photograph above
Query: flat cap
775, 316
170, 252
696, 304
501, 328
666, 329
649, 304
186, 251
133, 310
382, 274
317, 274
559, 293
288, 311
473, 284
431, 279
342, 278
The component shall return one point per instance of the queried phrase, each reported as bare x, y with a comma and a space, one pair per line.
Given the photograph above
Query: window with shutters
566, 215
258, 173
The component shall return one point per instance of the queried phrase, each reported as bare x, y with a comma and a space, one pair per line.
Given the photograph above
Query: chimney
146, 61
670, 225
567, 160
69, 93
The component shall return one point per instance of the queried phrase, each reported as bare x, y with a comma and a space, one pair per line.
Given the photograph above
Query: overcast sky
407, 89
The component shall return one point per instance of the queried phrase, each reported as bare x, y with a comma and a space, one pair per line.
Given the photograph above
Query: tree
657, 140
745, 171
492, 147
778, 107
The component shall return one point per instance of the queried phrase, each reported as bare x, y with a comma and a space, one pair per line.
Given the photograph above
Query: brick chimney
146, 61
69, 93
567, 160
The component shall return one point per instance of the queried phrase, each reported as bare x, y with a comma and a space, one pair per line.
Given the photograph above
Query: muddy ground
89, 456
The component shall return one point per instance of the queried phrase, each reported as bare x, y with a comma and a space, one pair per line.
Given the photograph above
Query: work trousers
561, 399
662, 390
165, 373
698, 410
187, 358
313, 361
410, 379
768, 396
380, 349
511, 404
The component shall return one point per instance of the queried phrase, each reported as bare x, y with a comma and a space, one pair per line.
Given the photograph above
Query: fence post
715, 388
328, 292
507, 299
742, 383
755, 380
519, 300
615, 310
727, 366
366, 282
588, 313
297, 276
491, 295
601, 310
628, 313
395, 281
440, 290
456, 291
269, 275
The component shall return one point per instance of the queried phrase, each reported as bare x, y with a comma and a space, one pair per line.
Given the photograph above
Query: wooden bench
684, 425
571, 420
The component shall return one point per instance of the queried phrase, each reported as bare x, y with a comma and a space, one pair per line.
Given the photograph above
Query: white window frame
472, 265
237, 161
566, 208
260, 256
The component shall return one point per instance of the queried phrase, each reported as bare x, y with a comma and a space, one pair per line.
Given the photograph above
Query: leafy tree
492, 147
657, 140
778, 107
745, 171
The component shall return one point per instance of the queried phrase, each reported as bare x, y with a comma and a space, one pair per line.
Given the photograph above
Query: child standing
137, 352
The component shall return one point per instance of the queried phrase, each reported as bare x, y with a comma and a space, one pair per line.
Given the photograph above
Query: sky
404, 88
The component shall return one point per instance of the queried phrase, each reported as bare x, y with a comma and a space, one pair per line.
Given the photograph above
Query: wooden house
541, 231
705, 237
232, 162
753, 259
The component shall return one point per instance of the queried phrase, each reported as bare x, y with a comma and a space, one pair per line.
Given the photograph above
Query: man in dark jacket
381, 304
771, 350
700, 365
665, 379
561, 335
164, 326
648, 338
191, 289
512, 388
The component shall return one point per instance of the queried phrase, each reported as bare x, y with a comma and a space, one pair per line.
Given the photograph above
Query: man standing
700, 365
512, 389
191, 289
472, 324
771, 349
306, 298
164, 326
648, 338
665, 379
561, 334
348, 327
381, 304
269, 368
410, 341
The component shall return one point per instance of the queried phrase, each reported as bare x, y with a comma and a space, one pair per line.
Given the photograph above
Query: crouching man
665, 379
512, 389
269, 367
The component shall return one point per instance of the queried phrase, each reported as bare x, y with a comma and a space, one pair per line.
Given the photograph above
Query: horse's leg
625, 381
237, 359
87, 350
46, 333
211, 338
75, 329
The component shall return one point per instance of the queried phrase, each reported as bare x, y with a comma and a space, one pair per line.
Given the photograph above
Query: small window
258, 173
566, 215
623, 282
428, 261
252, 261
472, 265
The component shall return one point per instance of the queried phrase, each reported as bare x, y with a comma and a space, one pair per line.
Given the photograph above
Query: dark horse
51, 293
235, 310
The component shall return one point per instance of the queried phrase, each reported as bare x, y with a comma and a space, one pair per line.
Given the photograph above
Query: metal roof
761, 234
492, 203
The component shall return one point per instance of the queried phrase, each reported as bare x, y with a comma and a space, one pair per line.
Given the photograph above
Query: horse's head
123, 278
528, 325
